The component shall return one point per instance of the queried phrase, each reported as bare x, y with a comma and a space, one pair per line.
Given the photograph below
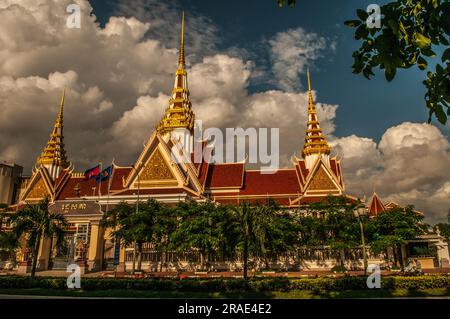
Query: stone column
44, 254
95, 254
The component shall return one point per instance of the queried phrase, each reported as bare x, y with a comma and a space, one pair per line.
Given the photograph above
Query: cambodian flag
92, 172
104, 175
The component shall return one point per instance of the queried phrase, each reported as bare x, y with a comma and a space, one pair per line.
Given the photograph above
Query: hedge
229, 284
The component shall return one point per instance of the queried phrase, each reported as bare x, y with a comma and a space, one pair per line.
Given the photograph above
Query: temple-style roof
376, 206
163, 170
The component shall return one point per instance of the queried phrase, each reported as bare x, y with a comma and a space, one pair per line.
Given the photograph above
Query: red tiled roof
119, 174
303, 169
203, 172
281, 182
376, 206
333, 166
225, 175
86, 187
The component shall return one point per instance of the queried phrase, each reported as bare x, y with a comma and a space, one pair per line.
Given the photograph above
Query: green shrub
231, 284
339, 269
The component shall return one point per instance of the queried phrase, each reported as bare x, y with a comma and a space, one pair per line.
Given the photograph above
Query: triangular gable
376, 206
156, 168
38, 188
322, 180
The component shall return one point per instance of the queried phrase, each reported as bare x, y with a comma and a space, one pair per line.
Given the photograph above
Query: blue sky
366, 108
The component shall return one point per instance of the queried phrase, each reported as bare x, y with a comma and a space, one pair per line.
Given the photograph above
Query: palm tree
135, 227
253, 224
8, 240
36, 222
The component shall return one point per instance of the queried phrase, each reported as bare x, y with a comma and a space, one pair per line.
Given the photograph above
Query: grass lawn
295, 294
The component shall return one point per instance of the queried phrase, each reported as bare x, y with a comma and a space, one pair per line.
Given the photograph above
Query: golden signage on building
76, 208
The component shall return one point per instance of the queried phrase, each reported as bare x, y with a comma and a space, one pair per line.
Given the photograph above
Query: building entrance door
73, 248
63, 254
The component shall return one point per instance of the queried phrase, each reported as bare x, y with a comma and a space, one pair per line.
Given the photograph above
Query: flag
104, 175
92, 172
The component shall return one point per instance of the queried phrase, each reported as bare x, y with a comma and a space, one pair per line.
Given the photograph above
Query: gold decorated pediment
157, 171
38, 191
321, 181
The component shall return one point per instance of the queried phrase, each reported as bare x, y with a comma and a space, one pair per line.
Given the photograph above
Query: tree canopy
410, 33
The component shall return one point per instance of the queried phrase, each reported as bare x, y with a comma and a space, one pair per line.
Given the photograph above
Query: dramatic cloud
219, 96
164, 19
119, 77
291, 52
409, 166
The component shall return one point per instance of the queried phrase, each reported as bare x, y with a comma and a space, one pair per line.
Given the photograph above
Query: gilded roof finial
315, 141
54, 153
309, 80
179, 114
61, 108
182, 58
310, 95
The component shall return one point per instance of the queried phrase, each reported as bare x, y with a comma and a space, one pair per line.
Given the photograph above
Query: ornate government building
156, 174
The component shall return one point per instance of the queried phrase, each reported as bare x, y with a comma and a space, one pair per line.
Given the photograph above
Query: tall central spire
315, 141
54, 155
181, 61
179, 114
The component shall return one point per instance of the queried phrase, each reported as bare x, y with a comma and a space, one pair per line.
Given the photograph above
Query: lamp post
359, 211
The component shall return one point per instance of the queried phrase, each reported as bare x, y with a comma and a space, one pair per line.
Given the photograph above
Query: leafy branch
410, 33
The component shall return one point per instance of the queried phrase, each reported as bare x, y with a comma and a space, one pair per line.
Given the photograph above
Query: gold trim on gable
321, 181
39, 190
156, 169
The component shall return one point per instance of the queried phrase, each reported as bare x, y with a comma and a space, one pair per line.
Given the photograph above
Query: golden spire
54, 153
181, 61
315, 141
179, 114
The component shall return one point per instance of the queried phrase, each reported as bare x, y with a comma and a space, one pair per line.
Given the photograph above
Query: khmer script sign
75, 208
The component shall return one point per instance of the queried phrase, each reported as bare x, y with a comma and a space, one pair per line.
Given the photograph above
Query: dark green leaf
440, 114
362, 32
390, 73
363, 15
422, 63
446, 55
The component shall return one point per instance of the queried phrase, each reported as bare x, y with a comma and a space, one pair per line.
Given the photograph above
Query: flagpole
109, 185
106, 212
100, 184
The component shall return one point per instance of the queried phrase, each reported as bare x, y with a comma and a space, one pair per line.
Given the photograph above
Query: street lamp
359, 211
